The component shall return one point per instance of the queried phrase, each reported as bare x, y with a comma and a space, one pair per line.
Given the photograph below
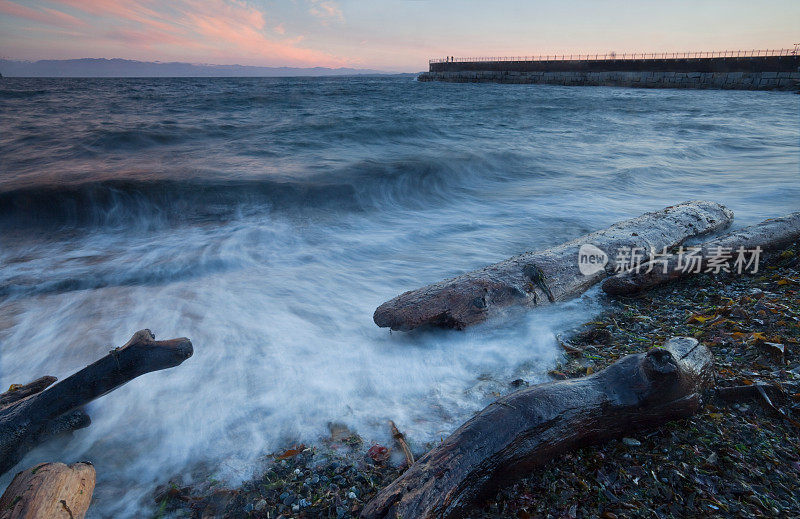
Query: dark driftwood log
51, 491
524, 430
30, 415
538, 278
770, 235
17, 393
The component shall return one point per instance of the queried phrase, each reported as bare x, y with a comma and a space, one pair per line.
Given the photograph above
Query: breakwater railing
627, 56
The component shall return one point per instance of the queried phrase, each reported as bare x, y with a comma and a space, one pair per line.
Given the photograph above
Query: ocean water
267, 218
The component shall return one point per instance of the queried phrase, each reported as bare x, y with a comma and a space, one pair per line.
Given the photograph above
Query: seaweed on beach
731, 460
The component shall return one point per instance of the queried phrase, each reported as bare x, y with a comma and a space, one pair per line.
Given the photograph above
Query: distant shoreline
123, 68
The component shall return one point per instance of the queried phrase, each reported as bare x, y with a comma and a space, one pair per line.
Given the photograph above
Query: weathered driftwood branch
537, 278
49, 490
524, 430
754, 391
400, 439
770, 235
30, 414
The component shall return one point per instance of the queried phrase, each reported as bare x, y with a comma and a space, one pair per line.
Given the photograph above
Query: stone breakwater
640, 79
776, 72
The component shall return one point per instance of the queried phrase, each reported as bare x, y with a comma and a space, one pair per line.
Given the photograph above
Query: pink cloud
326, 9
228, 31
46, 16
63, 17
248, 39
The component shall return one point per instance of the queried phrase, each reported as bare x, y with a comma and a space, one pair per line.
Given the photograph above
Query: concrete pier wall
715, 80
753, 73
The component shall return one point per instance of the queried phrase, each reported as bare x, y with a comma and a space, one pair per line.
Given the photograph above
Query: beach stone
631, 442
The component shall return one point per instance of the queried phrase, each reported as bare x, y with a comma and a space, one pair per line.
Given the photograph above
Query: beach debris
768, 236
568, 347
527, 428
378, 453
768, 403
34, 413
339, 431
49, 490
290, 453
538, 278
400, 439
754, 391
774, 348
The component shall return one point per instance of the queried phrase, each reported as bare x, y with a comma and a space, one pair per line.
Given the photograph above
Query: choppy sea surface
267, 218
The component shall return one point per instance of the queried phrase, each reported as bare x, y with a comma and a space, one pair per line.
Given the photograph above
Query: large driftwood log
31, 415
769, 235
537, 278
524, 430
49, 490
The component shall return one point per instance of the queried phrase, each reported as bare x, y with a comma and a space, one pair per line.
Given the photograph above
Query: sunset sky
398, 35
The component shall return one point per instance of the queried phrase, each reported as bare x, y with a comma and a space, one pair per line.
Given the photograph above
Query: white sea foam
284, 344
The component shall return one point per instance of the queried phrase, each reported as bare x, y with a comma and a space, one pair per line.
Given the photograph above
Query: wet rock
631, 442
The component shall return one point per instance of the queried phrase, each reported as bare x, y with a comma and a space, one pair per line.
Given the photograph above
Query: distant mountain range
101, 67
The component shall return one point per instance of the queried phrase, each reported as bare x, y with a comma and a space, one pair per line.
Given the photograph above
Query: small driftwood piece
754, 391
31, 414
539, 278
764, 393
525, 429
770, 235
51, 491
400, 439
